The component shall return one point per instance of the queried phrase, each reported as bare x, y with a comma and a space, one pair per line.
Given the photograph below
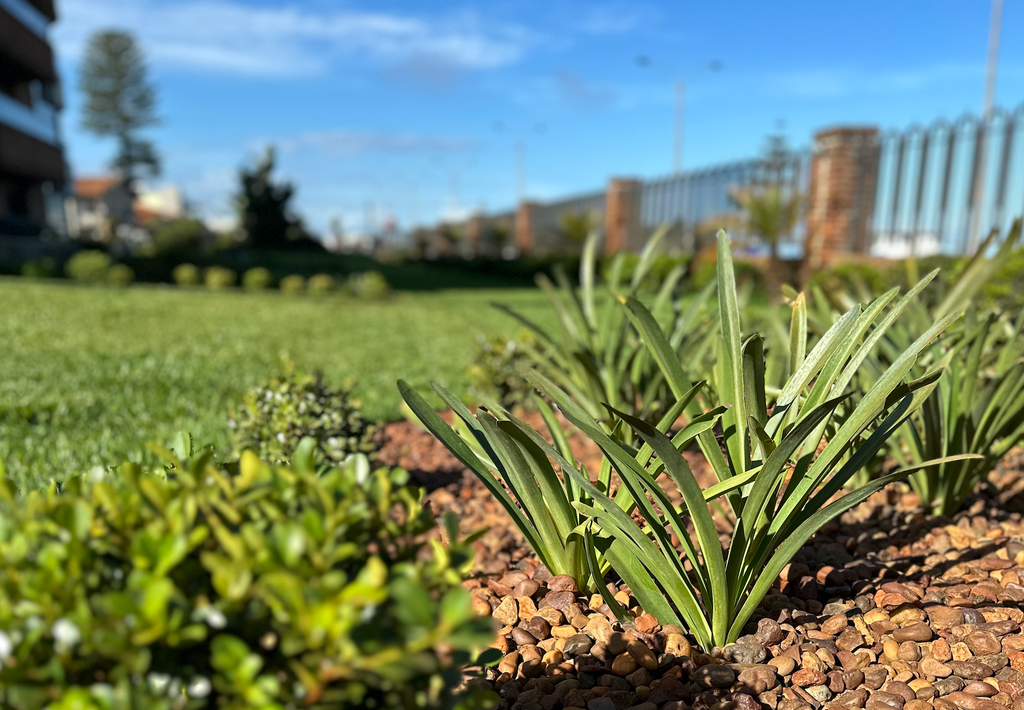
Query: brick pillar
841, 196
622, 215
523, 227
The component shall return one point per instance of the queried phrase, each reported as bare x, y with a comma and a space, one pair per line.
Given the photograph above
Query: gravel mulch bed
885, 609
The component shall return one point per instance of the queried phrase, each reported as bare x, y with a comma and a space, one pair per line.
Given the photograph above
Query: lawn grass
88, 375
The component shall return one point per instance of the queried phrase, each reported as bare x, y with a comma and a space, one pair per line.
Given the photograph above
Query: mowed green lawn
89, 375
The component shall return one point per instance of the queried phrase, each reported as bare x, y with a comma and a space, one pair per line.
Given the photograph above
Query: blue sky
414, 107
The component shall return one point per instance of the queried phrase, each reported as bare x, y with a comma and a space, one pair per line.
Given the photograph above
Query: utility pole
679, 105
992, 64
520, 157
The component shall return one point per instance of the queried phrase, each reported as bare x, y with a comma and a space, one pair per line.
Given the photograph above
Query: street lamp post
679, 110
519, 154
994, 31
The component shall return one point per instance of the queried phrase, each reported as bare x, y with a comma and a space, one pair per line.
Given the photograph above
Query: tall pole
994, 31
677, 153
520, 150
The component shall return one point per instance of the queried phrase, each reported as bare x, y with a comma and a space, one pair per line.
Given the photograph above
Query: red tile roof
95, 187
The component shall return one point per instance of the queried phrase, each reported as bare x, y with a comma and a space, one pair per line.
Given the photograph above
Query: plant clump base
885, 609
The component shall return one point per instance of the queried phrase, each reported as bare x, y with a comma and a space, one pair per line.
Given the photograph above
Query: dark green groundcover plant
260, 587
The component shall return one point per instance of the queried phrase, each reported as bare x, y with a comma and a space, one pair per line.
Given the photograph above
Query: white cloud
574, 90
833, 83
343, 142
615, 18
232, 37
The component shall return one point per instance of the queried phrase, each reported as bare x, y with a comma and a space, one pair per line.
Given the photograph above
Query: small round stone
785, 665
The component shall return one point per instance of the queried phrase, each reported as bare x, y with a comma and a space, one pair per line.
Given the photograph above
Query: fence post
523, 226
622, 215
841, 195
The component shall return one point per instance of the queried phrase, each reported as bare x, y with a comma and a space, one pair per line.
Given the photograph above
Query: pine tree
263, 205
120, 101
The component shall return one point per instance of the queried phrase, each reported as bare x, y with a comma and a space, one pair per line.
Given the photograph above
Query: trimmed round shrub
249, 586
42, 269
321, 284
257, 279
120, 275
219, 278
186, 274
370, 285
89, 266
293, 285
276, 416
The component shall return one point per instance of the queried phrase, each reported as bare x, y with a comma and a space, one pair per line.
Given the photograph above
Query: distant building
101, 208
158, 204
32, 170
97, 206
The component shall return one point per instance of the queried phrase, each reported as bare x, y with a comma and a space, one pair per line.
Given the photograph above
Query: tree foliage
265, 216
771, 207
119, 100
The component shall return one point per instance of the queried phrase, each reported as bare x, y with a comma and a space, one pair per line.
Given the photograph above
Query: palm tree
770, 211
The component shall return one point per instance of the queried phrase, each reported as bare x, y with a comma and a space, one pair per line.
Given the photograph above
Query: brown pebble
933, 668
970, 670
909, 651
916, 704
980, 689
874, 676
901, 689
941, 650
785, 665
885, 701
562, 583
507, 612
983, 643
915, 632
526, 588
643, 655
806, 677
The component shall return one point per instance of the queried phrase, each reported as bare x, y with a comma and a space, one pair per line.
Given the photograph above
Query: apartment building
32, 167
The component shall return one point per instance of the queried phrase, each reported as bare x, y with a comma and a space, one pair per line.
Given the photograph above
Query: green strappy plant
787, 487
979, 406
772, 481
595, 355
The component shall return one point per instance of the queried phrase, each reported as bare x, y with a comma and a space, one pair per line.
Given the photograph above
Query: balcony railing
38, 121
27, 15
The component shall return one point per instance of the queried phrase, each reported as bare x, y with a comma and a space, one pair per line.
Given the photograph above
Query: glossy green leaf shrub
370, 285
321, 284
88, 266
494, 373
256, 587
219, 278
293, 285
186, 275
257, 278
275, 416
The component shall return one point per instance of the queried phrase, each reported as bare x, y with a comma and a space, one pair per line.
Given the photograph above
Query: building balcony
27, 158
38, 121
24, 51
